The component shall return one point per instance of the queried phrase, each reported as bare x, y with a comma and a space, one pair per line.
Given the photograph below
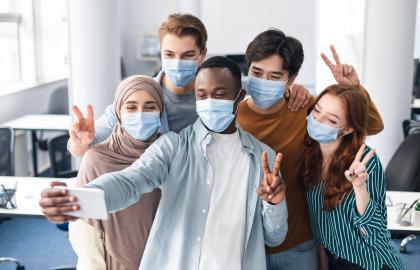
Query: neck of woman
328, 151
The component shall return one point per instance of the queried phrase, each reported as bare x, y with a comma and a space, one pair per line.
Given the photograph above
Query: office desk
415, 109
39, 122
400, 197
28, 193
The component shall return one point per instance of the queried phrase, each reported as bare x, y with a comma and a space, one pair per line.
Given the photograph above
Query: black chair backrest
410, 127
403, 170
60, 157
7, 151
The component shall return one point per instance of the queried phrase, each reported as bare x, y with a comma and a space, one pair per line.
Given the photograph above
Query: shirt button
278, 226
270, 210
194, 268
198, 239
208, 182
204, 210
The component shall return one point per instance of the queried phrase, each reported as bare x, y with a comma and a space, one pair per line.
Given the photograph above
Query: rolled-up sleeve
275, 223
123, 188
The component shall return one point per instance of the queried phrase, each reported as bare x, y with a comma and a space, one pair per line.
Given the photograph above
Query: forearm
362, 199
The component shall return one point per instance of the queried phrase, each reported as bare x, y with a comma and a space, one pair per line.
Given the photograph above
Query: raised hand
343, 73
357, 174
82, 132
272, 189
55, 203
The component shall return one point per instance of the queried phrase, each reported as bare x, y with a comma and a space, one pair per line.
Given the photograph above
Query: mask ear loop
237, 107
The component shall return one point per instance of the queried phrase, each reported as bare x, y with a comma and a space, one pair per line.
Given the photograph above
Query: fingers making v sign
343, 74
272, 189
357, 174
82, 132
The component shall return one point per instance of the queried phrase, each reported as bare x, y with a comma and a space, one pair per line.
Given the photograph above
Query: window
33, 42
9, 44
341, 23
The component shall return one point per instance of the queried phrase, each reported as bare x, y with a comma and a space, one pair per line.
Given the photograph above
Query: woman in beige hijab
119, 242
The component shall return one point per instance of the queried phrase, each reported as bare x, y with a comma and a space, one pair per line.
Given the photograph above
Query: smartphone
91, 201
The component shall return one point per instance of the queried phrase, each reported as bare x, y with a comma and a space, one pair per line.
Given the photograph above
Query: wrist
360, 188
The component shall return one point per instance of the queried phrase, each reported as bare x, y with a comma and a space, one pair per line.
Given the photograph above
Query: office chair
19, 266
58, 104
416, 83
403, 170
7, 150
410, 127
60, 157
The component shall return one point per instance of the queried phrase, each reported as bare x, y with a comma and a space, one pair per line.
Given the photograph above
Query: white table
400, 197
28, 193
39, 122
416, 104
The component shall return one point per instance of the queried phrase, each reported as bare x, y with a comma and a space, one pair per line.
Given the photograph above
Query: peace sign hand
82, 132
272, 189
357, 174
343, 74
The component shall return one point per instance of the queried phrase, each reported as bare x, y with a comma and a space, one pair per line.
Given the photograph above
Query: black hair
223, 62
274, 41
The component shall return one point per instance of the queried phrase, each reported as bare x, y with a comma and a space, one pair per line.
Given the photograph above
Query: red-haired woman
345, 186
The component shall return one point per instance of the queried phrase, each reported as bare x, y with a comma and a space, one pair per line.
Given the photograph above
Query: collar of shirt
204, 137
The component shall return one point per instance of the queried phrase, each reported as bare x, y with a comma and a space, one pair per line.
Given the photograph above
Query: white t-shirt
224, 235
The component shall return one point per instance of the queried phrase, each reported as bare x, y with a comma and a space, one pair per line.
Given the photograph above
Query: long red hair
336, 184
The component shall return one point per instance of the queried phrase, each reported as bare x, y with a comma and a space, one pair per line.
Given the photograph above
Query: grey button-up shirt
178, 164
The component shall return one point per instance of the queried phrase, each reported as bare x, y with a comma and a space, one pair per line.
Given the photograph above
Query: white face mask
141, 125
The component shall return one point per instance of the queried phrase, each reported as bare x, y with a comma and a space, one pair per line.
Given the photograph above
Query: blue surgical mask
216, 114
180, 72
141, 125
320, 132
265, 93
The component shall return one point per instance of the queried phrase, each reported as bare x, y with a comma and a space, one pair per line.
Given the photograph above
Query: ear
347, 131
242, 94
202, 56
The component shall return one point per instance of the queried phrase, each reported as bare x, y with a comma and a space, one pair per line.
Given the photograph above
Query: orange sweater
284, 131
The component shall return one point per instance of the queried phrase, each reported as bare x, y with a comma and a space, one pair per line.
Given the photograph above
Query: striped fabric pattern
362, 240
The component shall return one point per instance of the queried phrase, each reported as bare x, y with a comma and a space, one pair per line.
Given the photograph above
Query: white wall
388, 67
417, 42
231, 25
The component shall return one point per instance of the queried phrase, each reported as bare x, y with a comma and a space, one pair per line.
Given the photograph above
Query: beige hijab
125, 232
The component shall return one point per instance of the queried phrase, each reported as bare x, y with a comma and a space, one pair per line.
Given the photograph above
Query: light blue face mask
265, 93
141, 125
320, 132
180, 72
216, 114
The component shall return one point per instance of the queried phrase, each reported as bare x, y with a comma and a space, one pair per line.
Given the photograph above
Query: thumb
348, 175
